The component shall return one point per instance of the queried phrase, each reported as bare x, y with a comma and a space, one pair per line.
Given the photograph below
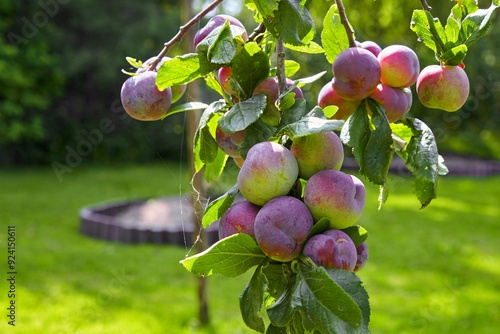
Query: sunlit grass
430, 271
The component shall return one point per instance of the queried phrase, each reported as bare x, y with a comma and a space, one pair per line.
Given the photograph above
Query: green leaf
287, 91
292, 22
282, 311
352, 284
276, 279
208, 121
293, 327
316, 112
357, 233
183, 69
243, 114
252, 299
422, 159
455, 56
198, 163
382, 197
185, 107
271, 329
402, 134
356, 132
294, 113
320, 291
429, 31
218, 207
311, 48
230, 257
267, 43
130, 73
442, 169
220, 45
134, 62
209, 113
379, 151
286, 102
452, 30
291, 67
371, 141
321, 226
333, 37
249, 68
224, 48
213, 124
214, 169
214, 84
309, 125
208, 146
310, 79
469, 6
266, 8
330, 111
475, 25
255, 133
286, 99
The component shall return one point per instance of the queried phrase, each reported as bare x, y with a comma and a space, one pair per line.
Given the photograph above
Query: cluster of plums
368, 71
385, 75
281, 223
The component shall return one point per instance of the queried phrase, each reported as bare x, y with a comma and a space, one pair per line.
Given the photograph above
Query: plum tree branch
182, 31
425, 5
345, 23
261, 28
280, 65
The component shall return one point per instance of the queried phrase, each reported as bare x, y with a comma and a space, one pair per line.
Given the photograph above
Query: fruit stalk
182, 31
425, 5
345, 23
280, 66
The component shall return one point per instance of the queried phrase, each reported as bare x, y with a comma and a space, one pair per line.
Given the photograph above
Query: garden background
431, 271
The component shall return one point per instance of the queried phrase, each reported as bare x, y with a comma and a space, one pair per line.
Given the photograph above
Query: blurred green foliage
65, 79
27, 81
60, 75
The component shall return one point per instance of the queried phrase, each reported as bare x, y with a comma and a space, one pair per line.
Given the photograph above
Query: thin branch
345, 23
261, 28
182, 31
280, 64
425, 5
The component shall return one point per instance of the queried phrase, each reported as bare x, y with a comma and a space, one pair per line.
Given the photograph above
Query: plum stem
345, 23
280, 65
182, 31
426, 5
261, 28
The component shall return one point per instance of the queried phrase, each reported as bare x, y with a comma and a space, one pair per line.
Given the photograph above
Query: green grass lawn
435, 270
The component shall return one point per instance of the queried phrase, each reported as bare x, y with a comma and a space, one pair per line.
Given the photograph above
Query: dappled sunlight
483, 260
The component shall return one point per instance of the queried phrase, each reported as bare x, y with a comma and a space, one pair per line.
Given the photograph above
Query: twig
425, 5
280, 65
182, 32
261, 28
345, 23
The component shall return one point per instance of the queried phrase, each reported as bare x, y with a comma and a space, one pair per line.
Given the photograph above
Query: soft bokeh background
430, 271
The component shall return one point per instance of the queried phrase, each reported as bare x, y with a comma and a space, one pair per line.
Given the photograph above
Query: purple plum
239, 218
281, 228
332, 249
